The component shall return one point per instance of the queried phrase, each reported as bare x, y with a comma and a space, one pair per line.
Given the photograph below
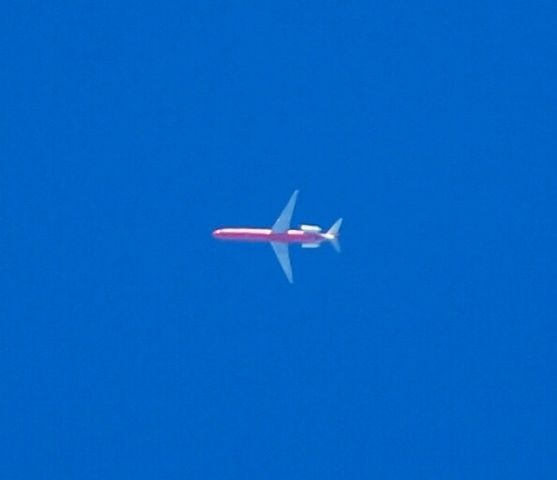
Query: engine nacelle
310, 228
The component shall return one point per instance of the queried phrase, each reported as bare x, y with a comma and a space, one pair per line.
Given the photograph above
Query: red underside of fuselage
266, 235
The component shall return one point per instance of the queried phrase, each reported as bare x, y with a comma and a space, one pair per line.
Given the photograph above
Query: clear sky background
134, 345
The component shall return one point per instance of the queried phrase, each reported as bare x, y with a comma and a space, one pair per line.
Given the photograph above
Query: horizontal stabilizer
335, 228
334, 232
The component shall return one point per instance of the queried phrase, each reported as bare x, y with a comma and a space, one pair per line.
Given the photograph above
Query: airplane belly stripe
265, 235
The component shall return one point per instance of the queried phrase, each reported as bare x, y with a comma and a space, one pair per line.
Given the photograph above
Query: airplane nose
216, 232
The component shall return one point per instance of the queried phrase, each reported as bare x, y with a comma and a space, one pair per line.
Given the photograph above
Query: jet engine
310, 228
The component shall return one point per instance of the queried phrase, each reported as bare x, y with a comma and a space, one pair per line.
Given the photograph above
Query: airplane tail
334, 231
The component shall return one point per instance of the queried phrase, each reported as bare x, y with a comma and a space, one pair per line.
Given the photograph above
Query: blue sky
135, 346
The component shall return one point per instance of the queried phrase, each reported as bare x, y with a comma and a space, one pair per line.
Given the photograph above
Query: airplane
280, 236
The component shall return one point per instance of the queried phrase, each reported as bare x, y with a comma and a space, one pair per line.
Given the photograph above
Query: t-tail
333, 234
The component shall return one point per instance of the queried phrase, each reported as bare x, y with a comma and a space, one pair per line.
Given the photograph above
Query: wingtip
294, 196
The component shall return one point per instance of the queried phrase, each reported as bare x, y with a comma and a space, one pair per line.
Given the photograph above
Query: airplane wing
283, 221
281, 250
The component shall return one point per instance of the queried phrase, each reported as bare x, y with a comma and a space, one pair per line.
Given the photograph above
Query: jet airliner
280, 235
